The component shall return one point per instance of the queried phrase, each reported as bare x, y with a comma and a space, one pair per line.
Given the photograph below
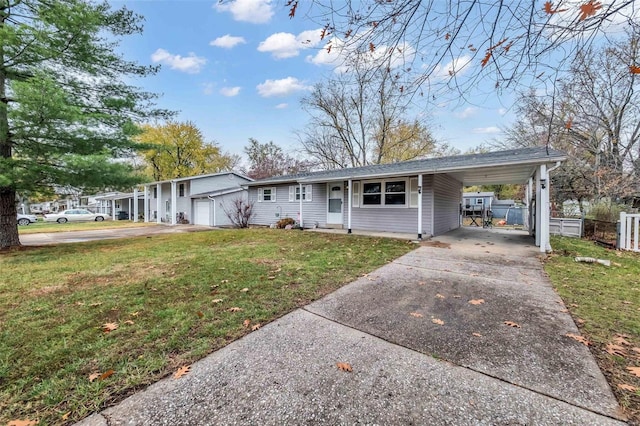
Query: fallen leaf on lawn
416, 314
344, 366
271, 277
93, 305
246, 323
616, 264
278, 270
475, 275
627, 387
181, 371
135, 314
234, 309
637, 350
109, 327
573, 305
580, 321
626, 302
93, 376
244, 290
512, 324
422, 283
620, 340
476, 301
255, 327
457, 297
224, 281
617, 350
439, 296
66, 415
217, 301
578, 338
22, 423
200, 314
477, 334
437, 321
129, 322
106, 374
634, 370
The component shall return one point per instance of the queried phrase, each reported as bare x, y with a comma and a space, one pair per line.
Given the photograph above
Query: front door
334, 204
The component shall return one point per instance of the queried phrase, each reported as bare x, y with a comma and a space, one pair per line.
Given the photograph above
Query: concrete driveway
421, 353
104, 234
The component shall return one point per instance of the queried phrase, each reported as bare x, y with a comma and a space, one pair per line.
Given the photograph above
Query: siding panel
267, 212
447, 193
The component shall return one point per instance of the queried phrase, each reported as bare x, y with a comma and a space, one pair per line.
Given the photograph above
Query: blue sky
238, 70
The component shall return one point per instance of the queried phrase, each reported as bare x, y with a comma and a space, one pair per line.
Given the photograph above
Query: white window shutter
292, 193
355, 197
413, 192
273, 194
260, 195
307, 194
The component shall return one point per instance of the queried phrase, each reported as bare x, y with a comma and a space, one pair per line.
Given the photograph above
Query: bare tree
268, 159
466, 43
240, 212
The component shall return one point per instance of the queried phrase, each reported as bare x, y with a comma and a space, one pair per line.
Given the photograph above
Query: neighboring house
474, 203
200, 200
421, 196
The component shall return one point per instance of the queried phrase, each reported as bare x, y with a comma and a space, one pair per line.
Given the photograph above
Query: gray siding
447, 197
215, 183
393, 219
268, 212
218, 208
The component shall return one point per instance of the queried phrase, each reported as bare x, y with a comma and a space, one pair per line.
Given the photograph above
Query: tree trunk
8, 222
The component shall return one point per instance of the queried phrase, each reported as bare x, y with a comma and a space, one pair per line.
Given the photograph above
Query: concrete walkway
420, 352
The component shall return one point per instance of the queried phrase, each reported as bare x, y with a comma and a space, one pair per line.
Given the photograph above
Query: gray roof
511, 166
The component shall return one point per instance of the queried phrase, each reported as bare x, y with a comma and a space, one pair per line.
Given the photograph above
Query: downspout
300, 219
350, 195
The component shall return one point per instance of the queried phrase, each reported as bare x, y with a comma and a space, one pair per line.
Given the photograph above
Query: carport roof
500, 167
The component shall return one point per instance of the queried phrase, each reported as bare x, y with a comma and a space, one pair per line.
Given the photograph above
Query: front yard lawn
169, 300
40, 226
605, 304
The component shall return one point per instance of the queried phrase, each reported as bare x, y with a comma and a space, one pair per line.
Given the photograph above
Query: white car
74, 215
25, 219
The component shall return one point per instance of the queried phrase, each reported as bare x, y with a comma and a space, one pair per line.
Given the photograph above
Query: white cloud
467, 112
282, 87
253, 11
208, 88
502, 111
230, 91
487, 130
455, 67
281, 106
336, 53
287, 45
190, 64
227, 41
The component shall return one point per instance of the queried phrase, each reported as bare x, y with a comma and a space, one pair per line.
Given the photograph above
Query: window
355, 197
181, 190
294, 192
479, 201
413, 192
384, 193
155, 192
267, 194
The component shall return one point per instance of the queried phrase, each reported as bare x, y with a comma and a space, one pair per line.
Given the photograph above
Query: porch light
543, 183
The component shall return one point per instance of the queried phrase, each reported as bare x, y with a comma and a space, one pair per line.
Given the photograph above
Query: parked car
74, 215
25, 219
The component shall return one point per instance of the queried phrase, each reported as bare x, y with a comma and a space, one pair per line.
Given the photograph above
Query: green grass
161, 292
49, 227
605, 303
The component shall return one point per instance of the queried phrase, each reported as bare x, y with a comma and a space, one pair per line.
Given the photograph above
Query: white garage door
202, 213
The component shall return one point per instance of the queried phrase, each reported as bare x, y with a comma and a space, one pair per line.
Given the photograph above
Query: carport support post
146, 203
528, 195
159, 203
135, 204
350, 195
538, 208
113, 209
544, 209
419, 207
174, 207
301, 220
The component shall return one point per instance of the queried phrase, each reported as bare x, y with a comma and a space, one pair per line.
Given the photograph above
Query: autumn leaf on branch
634, 69
372, 47
292, 5
447, 36
182, 371
325, 32
589, 9
486, 58
548, 8
569, 124
344, 366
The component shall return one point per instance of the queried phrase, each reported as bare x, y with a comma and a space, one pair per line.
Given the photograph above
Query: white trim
146, 204
272, 195
174, 203
158, 203
300, 192
351, 197
135, 205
